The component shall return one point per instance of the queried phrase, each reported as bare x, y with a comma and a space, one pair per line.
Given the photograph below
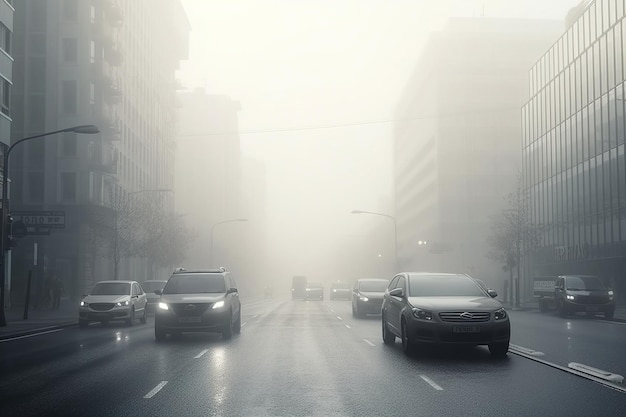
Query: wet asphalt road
297, 358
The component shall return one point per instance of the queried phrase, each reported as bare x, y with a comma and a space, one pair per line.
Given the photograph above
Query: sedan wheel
388, 337
144, 317
237, 327
227, 332
499, 350
131, 320
159, 334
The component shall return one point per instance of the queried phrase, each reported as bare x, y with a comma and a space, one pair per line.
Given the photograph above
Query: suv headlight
219, 304
363, 298
84, 304
570, 297
163, 306
422, 314
499, 314
122, 303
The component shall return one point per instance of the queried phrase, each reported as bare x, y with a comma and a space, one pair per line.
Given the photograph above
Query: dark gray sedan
436, 308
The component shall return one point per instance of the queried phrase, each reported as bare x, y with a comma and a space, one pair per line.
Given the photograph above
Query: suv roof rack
195, 271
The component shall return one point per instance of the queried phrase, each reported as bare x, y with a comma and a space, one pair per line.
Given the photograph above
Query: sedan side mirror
158, 292
492, 293
397, 292
231, 290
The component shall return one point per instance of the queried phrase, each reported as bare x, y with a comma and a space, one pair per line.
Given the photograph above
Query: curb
11, 335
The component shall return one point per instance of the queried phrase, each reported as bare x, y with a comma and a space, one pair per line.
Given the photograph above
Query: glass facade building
573, 147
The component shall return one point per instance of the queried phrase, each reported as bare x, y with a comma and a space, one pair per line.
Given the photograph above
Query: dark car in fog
437, 308
314, 291
367, 296
150, 286
340, 290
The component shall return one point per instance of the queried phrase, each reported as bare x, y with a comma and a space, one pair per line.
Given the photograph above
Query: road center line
339, 318
244, 323
368, 342
155, 390
431, 382
347, 326
201, 353
30, 335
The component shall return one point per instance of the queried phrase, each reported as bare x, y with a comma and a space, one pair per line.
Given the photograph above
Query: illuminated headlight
334, 290
84, 304
122, 303
363, 298
569, 297
499, 314
308, 289
422, 314
610, 292
219, 304
163, 306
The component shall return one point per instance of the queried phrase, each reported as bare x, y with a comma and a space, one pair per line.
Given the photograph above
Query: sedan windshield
111, 288
443, 286
194, 284
373, 285
585, 283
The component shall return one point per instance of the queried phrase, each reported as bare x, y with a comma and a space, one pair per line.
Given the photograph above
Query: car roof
155, 280
372, 279
442, 274
200, 271
116, 282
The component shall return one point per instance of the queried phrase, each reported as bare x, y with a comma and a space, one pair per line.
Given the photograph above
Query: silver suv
198, 301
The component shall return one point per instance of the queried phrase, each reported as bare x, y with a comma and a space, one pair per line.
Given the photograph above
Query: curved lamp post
82, 129
395, 231
213, 227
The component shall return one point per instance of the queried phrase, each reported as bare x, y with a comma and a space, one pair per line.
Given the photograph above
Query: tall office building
109, 63
457, 141
6, 69
574, 147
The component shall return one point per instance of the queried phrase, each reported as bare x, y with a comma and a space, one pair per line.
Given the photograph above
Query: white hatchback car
113, 300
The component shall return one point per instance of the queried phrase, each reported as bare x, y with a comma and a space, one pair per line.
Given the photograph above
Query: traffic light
10, 241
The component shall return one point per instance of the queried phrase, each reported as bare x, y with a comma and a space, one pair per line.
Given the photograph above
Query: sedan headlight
84, 304
570, 297
363, 298
219, 304
499, 314
610, 292
163, 306
122, 303
422, 314
334, 290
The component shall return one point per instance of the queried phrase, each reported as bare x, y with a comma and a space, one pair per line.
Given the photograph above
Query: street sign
47, 219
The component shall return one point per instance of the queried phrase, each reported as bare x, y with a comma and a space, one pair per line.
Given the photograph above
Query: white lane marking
30, 335
155, 390
244, 323
368, 342
599, 373
201, 353
431, 382
339, 318
255, 316
527, 351
347, 326
331, 310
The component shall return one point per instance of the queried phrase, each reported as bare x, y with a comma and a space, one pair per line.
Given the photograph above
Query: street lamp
395, 231
82, 129
213, 227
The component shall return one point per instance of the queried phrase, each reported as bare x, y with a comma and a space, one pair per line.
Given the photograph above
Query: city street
307, 358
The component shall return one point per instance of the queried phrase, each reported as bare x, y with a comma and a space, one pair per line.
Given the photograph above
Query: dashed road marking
201, 353
339, 318
527, 351
347, 326
244, 323
431, 383
368, 342
155, 390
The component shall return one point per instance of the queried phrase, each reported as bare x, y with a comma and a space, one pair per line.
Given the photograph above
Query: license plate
465, 329
592, 308
189, 319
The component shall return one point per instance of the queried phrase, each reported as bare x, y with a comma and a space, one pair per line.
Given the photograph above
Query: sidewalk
620, 311
39, 320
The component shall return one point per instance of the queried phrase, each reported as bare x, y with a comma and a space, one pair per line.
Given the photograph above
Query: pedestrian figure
57, 291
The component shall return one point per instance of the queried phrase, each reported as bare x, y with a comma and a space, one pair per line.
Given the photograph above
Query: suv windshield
373, 286
584, 283
195, 283
443, 286
111, 288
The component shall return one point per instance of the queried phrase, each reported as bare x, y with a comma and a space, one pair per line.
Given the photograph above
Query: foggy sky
318, 82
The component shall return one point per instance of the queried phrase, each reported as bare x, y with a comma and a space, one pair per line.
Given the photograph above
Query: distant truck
570, 294
298, 287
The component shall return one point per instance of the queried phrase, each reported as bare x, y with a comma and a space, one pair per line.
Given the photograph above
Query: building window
35, 187
70, 50
68, 144
70, 9
5, 87
70, 97
5, 38
68, 186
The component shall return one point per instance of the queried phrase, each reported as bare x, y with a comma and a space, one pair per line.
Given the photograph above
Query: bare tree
514, 235
169, 249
